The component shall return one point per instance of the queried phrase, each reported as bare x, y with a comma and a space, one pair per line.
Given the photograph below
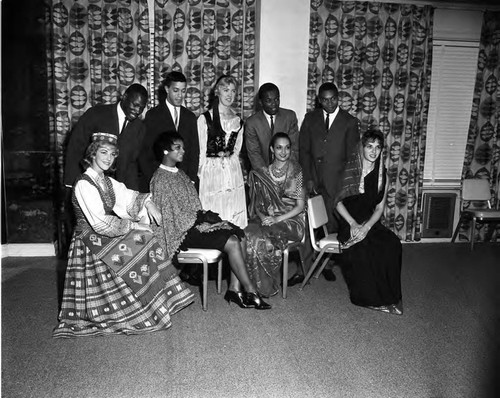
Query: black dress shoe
254, 300
236, 297
295, 279
329, 275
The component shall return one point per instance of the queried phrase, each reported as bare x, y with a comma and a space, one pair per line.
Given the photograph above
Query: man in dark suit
327, 137
170, 115
260, 127
121, 119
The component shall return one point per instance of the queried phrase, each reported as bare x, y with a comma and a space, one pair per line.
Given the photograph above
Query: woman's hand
359, 232
154, 212
143, 227
269, 220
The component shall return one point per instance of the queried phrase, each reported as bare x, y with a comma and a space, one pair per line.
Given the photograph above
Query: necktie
176, 117
123, 126
327, 122
272, 124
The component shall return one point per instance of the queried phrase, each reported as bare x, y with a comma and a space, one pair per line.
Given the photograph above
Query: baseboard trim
28, 250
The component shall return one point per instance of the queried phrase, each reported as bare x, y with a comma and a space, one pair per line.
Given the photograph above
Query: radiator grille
439, 210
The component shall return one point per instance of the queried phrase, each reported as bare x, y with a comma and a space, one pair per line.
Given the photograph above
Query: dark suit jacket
104, 118
159, 120
323, 154
258, 135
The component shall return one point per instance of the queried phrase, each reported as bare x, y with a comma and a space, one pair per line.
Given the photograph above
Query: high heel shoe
254, 300
236, 297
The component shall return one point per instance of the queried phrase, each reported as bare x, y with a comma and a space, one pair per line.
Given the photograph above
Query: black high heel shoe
255, 301
236, 297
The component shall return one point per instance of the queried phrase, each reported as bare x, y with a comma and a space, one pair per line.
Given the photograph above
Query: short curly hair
91, 151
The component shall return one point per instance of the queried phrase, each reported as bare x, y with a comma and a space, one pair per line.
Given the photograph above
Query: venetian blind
454, 67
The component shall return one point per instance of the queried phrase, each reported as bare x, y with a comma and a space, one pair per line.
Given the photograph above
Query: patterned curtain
482, 153
95, 50
205, 39
379, 56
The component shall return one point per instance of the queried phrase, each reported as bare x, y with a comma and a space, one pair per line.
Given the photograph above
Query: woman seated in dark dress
277, 202
118, 280
371, 252
185, 224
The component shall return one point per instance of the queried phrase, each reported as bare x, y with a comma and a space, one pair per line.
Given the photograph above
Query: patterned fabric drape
379, 56
482, 153
205, 39
95, 50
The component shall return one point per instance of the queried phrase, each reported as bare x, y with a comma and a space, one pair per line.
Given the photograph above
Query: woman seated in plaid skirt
118, 279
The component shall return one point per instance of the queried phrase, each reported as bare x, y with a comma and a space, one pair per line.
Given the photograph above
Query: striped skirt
98, 302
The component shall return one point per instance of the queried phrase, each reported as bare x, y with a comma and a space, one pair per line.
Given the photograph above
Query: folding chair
205, 257
477, 191
318, 218
291, 245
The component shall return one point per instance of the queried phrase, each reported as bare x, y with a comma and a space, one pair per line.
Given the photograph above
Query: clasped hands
358, 232
154, 215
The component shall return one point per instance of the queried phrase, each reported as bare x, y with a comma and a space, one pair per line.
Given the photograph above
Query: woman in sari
185, 224
371, 252
118, 280
276, 210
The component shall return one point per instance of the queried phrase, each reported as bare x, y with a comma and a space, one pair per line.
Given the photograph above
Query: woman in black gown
371, 252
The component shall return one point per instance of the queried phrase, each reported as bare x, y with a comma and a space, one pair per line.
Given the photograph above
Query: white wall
283, 36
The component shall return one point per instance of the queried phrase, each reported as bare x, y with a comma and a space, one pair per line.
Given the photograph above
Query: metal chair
477, 191
291, 245
318, 218
205, 257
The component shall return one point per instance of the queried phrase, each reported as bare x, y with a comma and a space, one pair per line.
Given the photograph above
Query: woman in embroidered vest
118, 279
276, 209
220, 132
371, 252
185, 224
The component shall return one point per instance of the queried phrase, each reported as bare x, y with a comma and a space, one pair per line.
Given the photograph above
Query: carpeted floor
313, 344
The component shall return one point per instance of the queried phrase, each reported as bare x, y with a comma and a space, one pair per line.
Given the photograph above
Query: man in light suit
170, 115
260, 127
327, 137
121, 119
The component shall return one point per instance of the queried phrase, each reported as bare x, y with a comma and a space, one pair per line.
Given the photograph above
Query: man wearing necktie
170, 115
121, 119
261, 126
327, 137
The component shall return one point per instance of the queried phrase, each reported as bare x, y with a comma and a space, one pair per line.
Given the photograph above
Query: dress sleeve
90, 202
298, 191
239, 138
202, 137
129, 205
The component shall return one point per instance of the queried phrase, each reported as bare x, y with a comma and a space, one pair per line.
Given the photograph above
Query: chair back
316, 212
476, 190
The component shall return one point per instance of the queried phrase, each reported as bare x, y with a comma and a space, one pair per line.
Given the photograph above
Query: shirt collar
332, 115
121, 116
171, 169
171, 108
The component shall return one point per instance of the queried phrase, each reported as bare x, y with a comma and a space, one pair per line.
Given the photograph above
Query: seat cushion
329, 240
484, 213
212, 255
